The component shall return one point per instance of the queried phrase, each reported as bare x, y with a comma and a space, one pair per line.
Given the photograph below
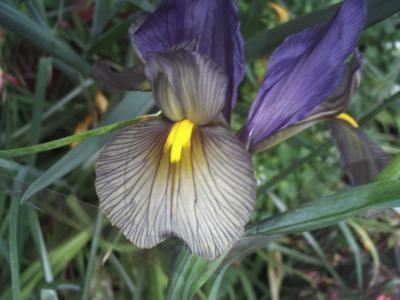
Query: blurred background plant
57, 245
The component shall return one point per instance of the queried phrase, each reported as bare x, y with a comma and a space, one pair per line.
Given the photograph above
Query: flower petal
335, 104
361, 159
206, 26
187, 85
205, 200
304, 71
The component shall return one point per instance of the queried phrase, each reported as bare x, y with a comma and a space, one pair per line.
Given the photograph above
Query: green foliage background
57, 246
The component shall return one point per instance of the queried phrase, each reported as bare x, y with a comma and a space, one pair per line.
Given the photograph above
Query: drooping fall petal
304, 71
204, 198
361, 159
206, 26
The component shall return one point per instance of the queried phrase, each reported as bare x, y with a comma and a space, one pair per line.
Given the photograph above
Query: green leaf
133, 104
59, 258
123, 274
15, 21
73, 138
102, 14
189, 277
48, 294
391, 171
58, 106
265, 42
37, 9
92, 256
42, 78
190, 273
331, 209
144, 5
351, 240
40, 244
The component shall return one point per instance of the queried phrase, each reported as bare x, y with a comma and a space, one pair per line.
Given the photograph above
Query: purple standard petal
206, 26
303, 72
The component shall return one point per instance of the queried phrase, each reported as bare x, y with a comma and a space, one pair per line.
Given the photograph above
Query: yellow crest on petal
349, 119
179, 138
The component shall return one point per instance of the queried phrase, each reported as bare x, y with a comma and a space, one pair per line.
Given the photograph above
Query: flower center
179, 138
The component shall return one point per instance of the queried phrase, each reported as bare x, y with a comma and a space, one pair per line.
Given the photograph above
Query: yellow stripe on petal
349, 119
179, 138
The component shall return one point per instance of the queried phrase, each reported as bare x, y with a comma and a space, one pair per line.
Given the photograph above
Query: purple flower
186, 174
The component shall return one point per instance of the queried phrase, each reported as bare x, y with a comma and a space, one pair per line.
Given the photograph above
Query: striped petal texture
208, 27
204, 199
332, 106
187, 85
304, 71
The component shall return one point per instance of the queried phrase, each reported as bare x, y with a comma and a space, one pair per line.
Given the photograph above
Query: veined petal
304, 71
332, 106
361, 159
204, 199
187, 85
206, 26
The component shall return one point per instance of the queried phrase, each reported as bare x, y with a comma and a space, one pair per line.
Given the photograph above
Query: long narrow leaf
73, 138
318, 214
19, 23
133, 104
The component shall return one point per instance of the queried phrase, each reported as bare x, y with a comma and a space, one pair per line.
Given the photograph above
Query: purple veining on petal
206, 26
303, 72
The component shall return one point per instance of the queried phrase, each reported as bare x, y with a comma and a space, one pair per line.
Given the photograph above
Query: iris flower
186, 174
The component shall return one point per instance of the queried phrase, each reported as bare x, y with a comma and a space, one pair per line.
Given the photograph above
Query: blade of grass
217, 284
40, 245
330, 209
13, 254
123, 273
59, 258
74, 138
133, 104
312, 242
275, 273
318, 250
92, 257
247, 286
348, 235
15, 21
38, 12
102, 13
317, 214
144, 5
156, 278
42, 79
47, 294
13, 241
60, 104
298, 255
370, 246
392, 170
